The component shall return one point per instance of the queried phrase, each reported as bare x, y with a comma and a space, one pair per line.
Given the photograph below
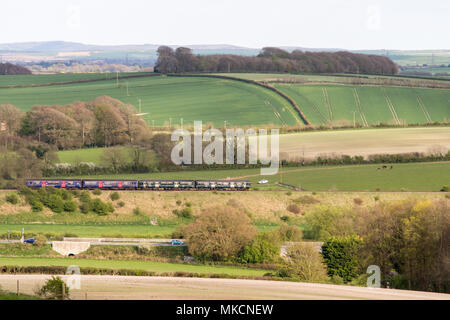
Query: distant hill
11, 69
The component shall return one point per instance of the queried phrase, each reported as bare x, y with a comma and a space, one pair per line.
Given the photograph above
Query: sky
347, 24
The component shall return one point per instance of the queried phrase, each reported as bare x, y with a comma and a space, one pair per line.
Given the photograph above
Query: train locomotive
231, 185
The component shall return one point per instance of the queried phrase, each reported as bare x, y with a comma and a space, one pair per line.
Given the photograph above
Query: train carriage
110, 184
55, 183
167, 184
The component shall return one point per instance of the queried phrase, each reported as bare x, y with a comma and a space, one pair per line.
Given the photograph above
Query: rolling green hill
369, 104
167, 99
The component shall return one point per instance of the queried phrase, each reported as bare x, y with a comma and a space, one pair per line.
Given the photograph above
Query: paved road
133, 287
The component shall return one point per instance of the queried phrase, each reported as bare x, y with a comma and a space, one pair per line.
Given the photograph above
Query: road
133, 287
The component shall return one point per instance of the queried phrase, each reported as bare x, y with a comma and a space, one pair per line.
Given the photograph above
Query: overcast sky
349, 24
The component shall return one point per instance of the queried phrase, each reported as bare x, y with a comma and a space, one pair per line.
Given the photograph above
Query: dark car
31, 240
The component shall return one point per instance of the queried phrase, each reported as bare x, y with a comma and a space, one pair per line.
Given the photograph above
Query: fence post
18, 288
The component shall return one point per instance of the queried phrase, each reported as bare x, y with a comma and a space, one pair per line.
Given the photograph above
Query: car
31, 240
177, 243
264, 181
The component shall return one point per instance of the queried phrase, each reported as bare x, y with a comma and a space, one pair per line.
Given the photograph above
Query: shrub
284, 218
260, 250
305, 263
184, 213
114, 196
121, 204
188, 204
53, 289
294, 208
376, 198
290, 233
85, 207
70, 206
445, 189
341, 257
137, 211
289, 193
36, 205
97, 192
40, 240
55, 203
12, 198
219, 233
358, 201
178, 202
100, 208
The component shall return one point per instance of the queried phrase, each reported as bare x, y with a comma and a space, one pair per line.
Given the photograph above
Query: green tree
341, 256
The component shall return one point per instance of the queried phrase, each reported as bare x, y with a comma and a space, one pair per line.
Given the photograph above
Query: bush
53, 289
12, 198
219, 234
294, 208
114, 196
358, 201
137, 211
97, 192
40, 240
121, 204
184, 213
290, 233
341, 257
304, 262
85, 207
36, 205
55, 203
178, 202
70, 206
445, 189
260, 250
100, 208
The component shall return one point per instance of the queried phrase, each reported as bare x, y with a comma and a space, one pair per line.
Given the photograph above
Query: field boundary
51, 84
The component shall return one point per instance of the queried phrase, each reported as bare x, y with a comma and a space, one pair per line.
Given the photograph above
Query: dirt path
131, 287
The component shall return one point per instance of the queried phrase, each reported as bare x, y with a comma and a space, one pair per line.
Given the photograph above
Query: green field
159, 267
410, 105
167, 100
312, 144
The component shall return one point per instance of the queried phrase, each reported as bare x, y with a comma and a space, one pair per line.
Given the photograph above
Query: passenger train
238, 185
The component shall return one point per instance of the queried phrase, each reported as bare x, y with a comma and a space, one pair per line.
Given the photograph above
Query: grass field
167, 100
411, 105
315, 143
159, 267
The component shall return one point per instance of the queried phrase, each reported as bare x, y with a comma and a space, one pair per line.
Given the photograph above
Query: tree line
9, 68
275, 60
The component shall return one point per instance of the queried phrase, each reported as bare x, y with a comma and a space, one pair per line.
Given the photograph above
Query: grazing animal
384, 167
392, 167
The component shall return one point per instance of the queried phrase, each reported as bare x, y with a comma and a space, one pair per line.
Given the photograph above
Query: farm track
327, 103
358, 105
391, 106
424, 109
